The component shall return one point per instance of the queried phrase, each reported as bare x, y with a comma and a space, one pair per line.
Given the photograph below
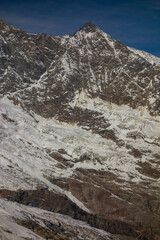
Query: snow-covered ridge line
90, 58
149, 57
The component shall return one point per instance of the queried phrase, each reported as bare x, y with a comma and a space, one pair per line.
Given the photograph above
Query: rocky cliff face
52, 69
79, 132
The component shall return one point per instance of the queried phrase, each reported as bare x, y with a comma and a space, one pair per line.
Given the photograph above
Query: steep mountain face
80, 131
52, 69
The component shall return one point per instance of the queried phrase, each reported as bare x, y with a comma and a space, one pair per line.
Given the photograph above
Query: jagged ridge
52, 69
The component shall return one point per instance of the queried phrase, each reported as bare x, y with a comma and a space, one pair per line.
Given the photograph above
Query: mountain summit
90, 59
89, 27
79, 136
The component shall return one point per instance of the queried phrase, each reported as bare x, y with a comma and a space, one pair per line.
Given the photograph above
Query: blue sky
135, 23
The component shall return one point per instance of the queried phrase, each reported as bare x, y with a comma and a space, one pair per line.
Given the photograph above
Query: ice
11, 212
26, 140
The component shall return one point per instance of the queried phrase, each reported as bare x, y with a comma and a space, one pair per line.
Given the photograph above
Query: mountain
79, 130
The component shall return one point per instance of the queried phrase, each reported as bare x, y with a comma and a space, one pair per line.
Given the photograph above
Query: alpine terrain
79, 137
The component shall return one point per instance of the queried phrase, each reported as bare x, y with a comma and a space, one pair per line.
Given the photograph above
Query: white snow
23, 156
9, 229
25, 141
149, 57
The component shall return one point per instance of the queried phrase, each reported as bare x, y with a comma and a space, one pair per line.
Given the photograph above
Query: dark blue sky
134, 22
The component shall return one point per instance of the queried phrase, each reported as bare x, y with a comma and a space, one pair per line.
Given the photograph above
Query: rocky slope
21, 222
79, 130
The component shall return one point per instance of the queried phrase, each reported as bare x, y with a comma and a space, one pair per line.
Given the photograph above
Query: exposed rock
49, 70
82, 135
60, 204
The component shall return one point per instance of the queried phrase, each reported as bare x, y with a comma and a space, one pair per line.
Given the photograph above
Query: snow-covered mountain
79, 131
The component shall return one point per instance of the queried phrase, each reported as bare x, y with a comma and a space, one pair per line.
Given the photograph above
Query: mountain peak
89, 27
